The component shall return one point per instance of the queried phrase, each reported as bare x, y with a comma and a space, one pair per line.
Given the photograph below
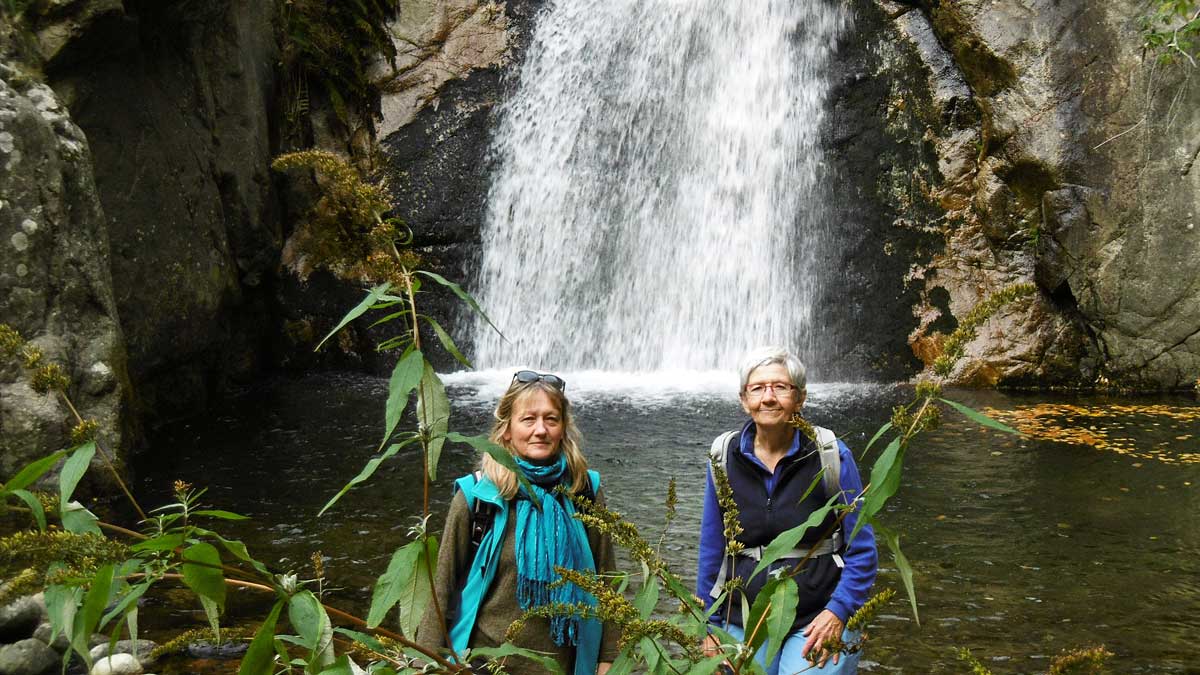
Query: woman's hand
826, 626
602, 667
712, 646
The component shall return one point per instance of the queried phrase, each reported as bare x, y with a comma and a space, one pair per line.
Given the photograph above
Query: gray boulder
21, 617
60, 643
28, 657
140, 649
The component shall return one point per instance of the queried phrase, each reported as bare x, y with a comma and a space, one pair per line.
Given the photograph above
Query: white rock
117, 664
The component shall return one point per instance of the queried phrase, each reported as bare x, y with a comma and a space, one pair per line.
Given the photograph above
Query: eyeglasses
527, 376
780, 389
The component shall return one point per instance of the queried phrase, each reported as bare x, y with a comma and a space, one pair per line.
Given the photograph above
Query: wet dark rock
225, 650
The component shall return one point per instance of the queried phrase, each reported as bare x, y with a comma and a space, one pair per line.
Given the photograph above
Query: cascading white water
657, 179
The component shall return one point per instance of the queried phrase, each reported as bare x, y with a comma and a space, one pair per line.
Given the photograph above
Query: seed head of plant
804, 426
1085, 660
84, 431
625, 534
729, 511
182, 489
672, 500
48, 378
11, 341
928, 389
31, 356
867, 613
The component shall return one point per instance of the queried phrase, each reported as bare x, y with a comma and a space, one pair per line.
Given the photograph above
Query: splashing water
657, 189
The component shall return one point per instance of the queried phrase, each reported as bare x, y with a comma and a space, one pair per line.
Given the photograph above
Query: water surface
1022, 547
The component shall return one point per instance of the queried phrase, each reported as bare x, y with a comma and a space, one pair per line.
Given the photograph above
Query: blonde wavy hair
577, 465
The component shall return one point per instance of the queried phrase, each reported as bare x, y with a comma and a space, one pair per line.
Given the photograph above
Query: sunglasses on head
527, 376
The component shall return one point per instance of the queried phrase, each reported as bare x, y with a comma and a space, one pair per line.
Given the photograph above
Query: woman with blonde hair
499, 550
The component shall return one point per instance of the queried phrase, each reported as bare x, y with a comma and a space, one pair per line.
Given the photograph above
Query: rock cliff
1073, 170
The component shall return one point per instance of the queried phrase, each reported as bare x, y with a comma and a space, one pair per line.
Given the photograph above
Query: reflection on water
1022, 547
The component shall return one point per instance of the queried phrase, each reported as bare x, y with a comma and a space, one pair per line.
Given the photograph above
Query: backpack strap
718, 453
831, 461
483, 513
831, 480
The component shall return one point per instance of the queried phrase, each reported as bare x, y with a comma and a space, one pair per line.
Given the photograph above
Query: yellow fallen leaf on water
1098, 426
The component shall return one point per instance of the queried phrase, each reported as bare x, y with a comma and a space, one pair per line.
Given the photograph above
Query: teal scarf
549, 538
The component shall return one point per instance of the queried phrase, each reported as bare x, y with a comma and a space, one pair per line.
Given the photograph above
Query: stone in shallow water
144, 647
28, 657
204, 649
117, 664
61, 642
21, 617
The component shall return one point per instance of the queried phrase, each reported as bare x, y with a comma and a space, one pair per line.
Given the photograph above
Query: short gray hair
765, 356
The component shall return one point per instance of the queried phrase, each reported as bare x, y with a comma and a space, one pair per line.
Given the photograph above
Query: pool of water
1083, 533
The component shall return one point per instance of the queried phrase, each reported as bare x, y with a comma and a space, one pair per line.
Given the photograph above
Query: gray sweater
500, 606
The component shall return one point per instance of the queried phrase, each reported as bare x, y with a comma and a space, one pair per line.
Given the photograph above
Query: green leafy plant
1171, 29
330, 47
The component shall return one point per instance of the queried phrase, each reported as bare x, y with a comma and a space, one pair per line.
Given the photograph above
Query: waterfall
657, 186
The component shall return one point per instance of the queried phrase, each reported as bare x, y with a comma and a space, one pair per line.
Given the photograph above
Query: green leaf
447, 342
788, 539
781, 615
406, 581
35, 507
433, 414
465, 297
405, 377
61, 605
624, 663
905, 569
131, 597
88, 617
309, 619
77, 519
547, 663
418, 593
73, 469
237, 548
213, 612
502, 456
707, 666
367, 471
202, 573
260, 657
683, 593
372, 297
163, 542
882, 430
980, 418
33, 471
885, 481
340, 666
756, 623
223, 515
367, 639
647, 597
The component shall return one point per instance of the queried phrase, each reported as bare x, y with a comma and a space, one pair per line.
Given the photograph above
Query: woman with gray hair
770, 466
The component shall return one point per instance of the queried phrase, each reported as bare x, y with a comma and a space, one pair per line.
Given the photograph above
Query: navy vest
763, 517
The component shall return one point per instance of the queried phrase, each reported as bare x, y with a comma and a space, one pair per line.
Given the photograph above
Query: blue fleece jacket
860, 555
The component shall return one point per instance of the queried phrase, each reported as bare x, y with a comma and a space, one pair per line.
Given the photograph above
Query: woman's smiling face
535, 429
773, 406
